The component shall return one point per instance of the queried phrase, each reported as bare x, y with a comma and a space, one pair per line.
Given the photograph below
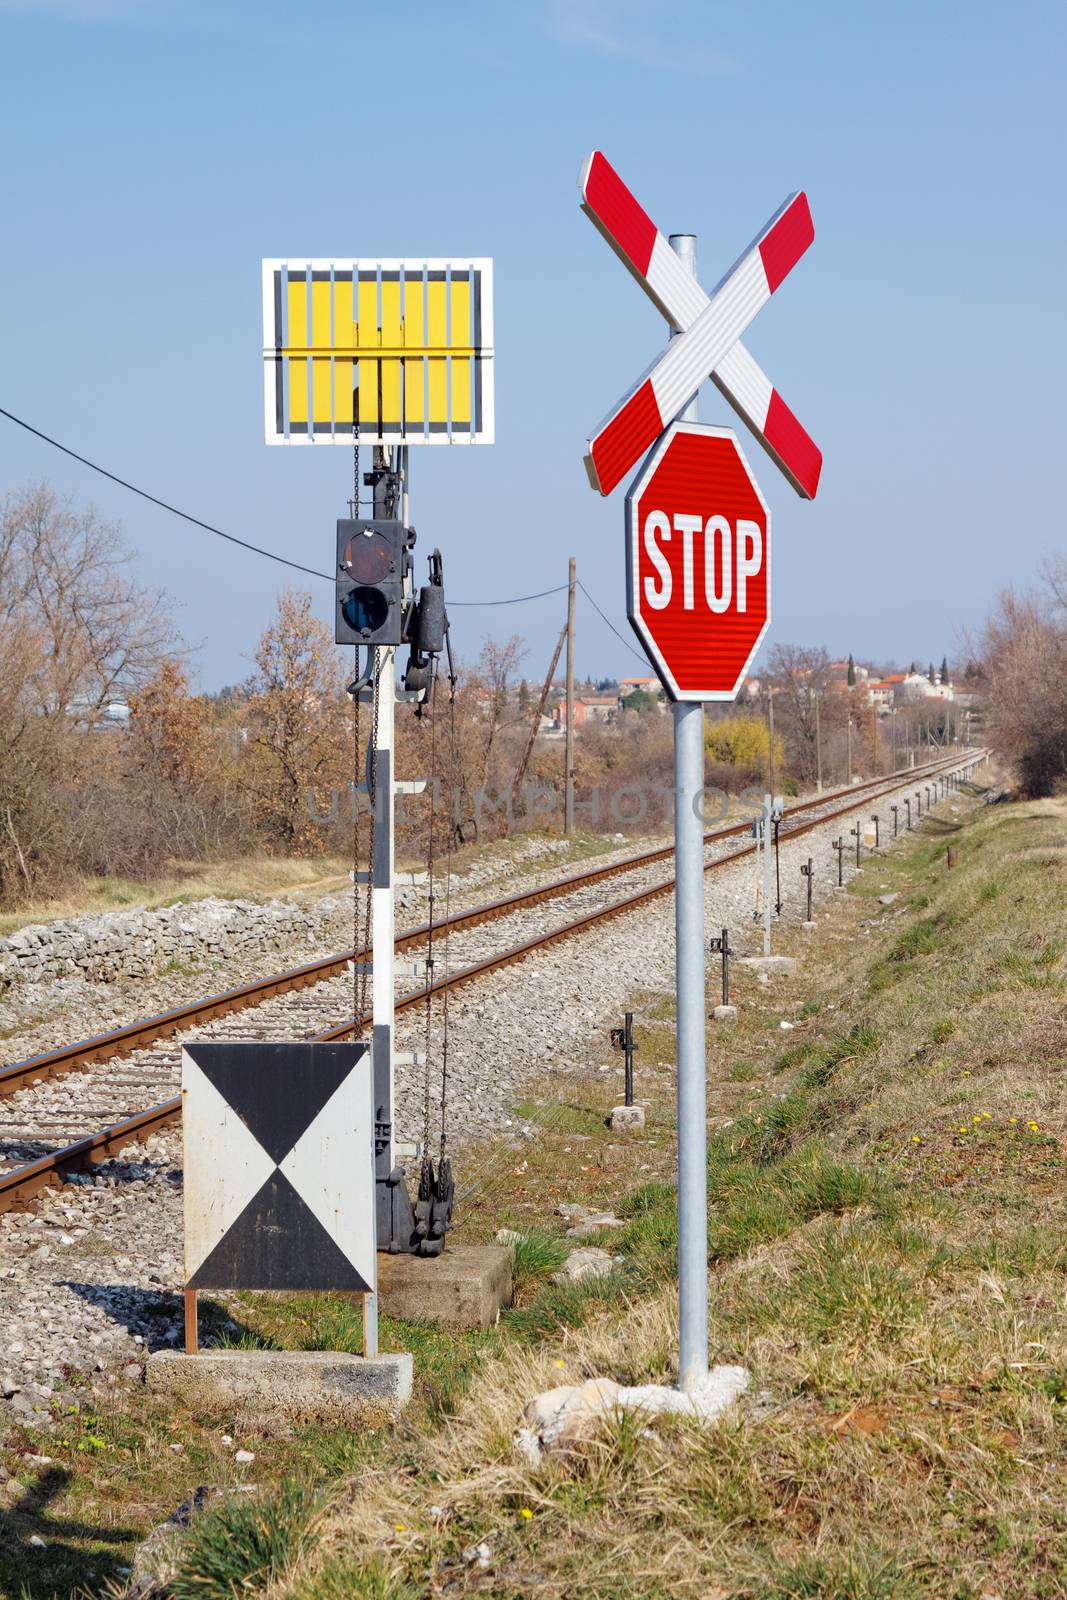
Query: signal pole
689, 967
568, 749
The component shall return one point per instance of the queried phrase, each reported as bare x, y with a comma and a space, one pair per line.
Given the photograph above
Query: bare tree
1024, 667
74, 629
298, 720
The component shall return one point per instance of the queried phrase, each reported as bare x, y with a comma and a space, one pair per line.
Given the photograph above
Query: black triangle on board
277, 1089
277, 1242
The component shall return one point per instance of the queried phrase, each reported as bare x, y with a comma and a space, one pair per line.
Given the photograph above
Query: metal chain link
448, 904
432, 700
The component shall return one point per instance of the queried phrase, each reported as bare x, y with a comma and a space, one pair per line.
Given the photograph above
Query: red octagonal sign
698, 562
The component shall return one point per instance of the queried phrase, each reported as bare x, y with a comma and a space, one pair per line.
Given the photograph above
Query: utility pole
818, 747
770, 729
689, 957
850, 747
568, 824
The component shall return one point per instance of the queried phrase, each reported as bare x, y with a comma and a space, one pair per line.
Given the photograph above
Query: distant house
629, 686
589, 707
907, 688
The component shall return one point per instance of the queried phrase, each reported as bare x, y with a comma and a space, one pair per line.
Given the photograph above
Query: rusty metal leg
192, 1344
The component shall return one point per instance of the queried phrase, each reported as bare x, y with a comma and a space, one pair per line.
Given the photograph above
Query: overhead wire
272, 555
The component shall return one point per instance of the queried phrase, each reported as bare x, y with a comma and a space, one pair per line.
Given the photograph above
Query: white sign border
633, 497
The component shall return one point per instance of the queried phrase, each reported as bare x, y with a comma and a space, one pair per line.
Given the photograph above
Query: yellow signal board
386, 352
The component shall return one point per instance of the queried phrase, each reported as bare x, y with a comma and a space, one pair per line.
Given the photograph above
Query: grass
254, 878
248, 1543
888, 1209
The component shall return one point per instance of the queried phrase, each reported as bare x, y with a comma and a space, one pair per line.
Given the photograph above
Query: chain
448, 901
362, 969
355, 849
432, 699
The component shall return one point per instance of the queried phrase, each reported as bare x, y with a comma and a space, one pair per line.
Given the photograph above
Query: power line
516, 600
270, 555
610, 624
163, 504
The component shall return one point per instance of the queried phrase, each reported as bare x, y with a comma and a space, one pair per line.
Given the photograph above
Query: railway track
48, 1133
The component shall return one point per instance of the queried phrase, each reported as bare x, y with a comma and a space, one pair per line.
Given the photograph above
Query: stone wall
137, 944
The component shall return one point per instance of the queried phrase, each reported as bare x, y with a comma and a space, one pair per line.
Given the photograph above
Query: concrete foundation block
724, 1014
325, 1384
623, 1117
769, 963
464, 1287
809, 927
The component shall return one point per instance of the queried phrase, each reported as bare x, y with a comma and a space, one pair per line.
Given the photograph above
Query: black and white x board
278, 1166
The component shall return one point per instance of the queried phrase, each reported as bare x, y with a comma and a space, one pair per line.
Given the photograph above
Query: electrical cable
515, 600
163, 504
271, 555
636, 654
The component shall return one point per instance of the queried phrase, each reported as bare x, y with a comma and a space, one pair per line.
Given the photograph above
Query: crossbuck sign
711, 329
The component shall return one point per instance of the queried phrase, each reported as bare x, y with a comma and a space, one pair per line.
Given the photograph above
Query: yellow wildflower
526, 1513
915, 1139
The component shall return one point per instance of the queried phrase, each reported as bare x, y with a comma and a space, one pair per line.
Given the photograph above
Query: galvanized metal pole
689, 969
568, 749
818, 749
383, 930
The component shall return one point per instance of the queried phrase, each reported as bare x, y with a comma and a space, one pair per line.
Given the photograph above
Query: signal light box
372, 558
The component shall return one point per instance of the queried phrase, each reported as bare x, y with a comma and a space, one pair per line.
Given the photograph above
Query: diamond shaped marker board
278, 1166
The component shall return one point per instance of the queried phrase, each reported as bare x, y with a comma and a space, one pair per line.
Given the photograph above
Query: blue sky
154, 150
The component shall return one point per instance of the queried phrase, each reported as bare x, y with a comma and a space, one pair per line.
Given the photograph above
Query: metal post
628, 1047
809, 873
768, 811
818, 750
896, 815
877, 841
721, 946
777, 871
857, 830
689, 967
382, 919
383, 1015
568, 749
919, 803
839, 846
192, 1335
907, 807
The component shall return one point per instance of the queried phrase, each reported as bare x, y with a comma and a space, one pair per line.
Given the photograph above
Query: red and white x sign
710, 329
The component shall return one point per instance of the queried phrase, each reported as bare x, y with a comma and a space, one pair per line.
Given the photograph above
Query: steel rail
21, 1183
146, 1030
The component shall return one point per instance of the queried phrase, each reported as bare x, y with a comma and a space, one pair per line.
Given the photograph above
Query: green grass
246, 1543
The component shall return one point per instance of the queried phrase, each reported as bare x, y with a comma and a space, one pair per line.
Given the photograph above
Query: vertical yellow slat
391, 339
320, 340
461, 367
298, 335
414, 303
437, 311
344, 336
368, 339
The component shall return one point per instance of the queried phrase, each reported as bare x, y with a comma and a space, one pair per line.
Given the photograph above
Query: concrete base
623, 1117
324, 1384
769, 963
724, 1014
464, 1287
809, 927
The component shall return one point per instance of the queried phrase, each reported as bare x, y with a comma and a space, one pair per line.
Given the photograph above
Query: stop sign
698, 558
